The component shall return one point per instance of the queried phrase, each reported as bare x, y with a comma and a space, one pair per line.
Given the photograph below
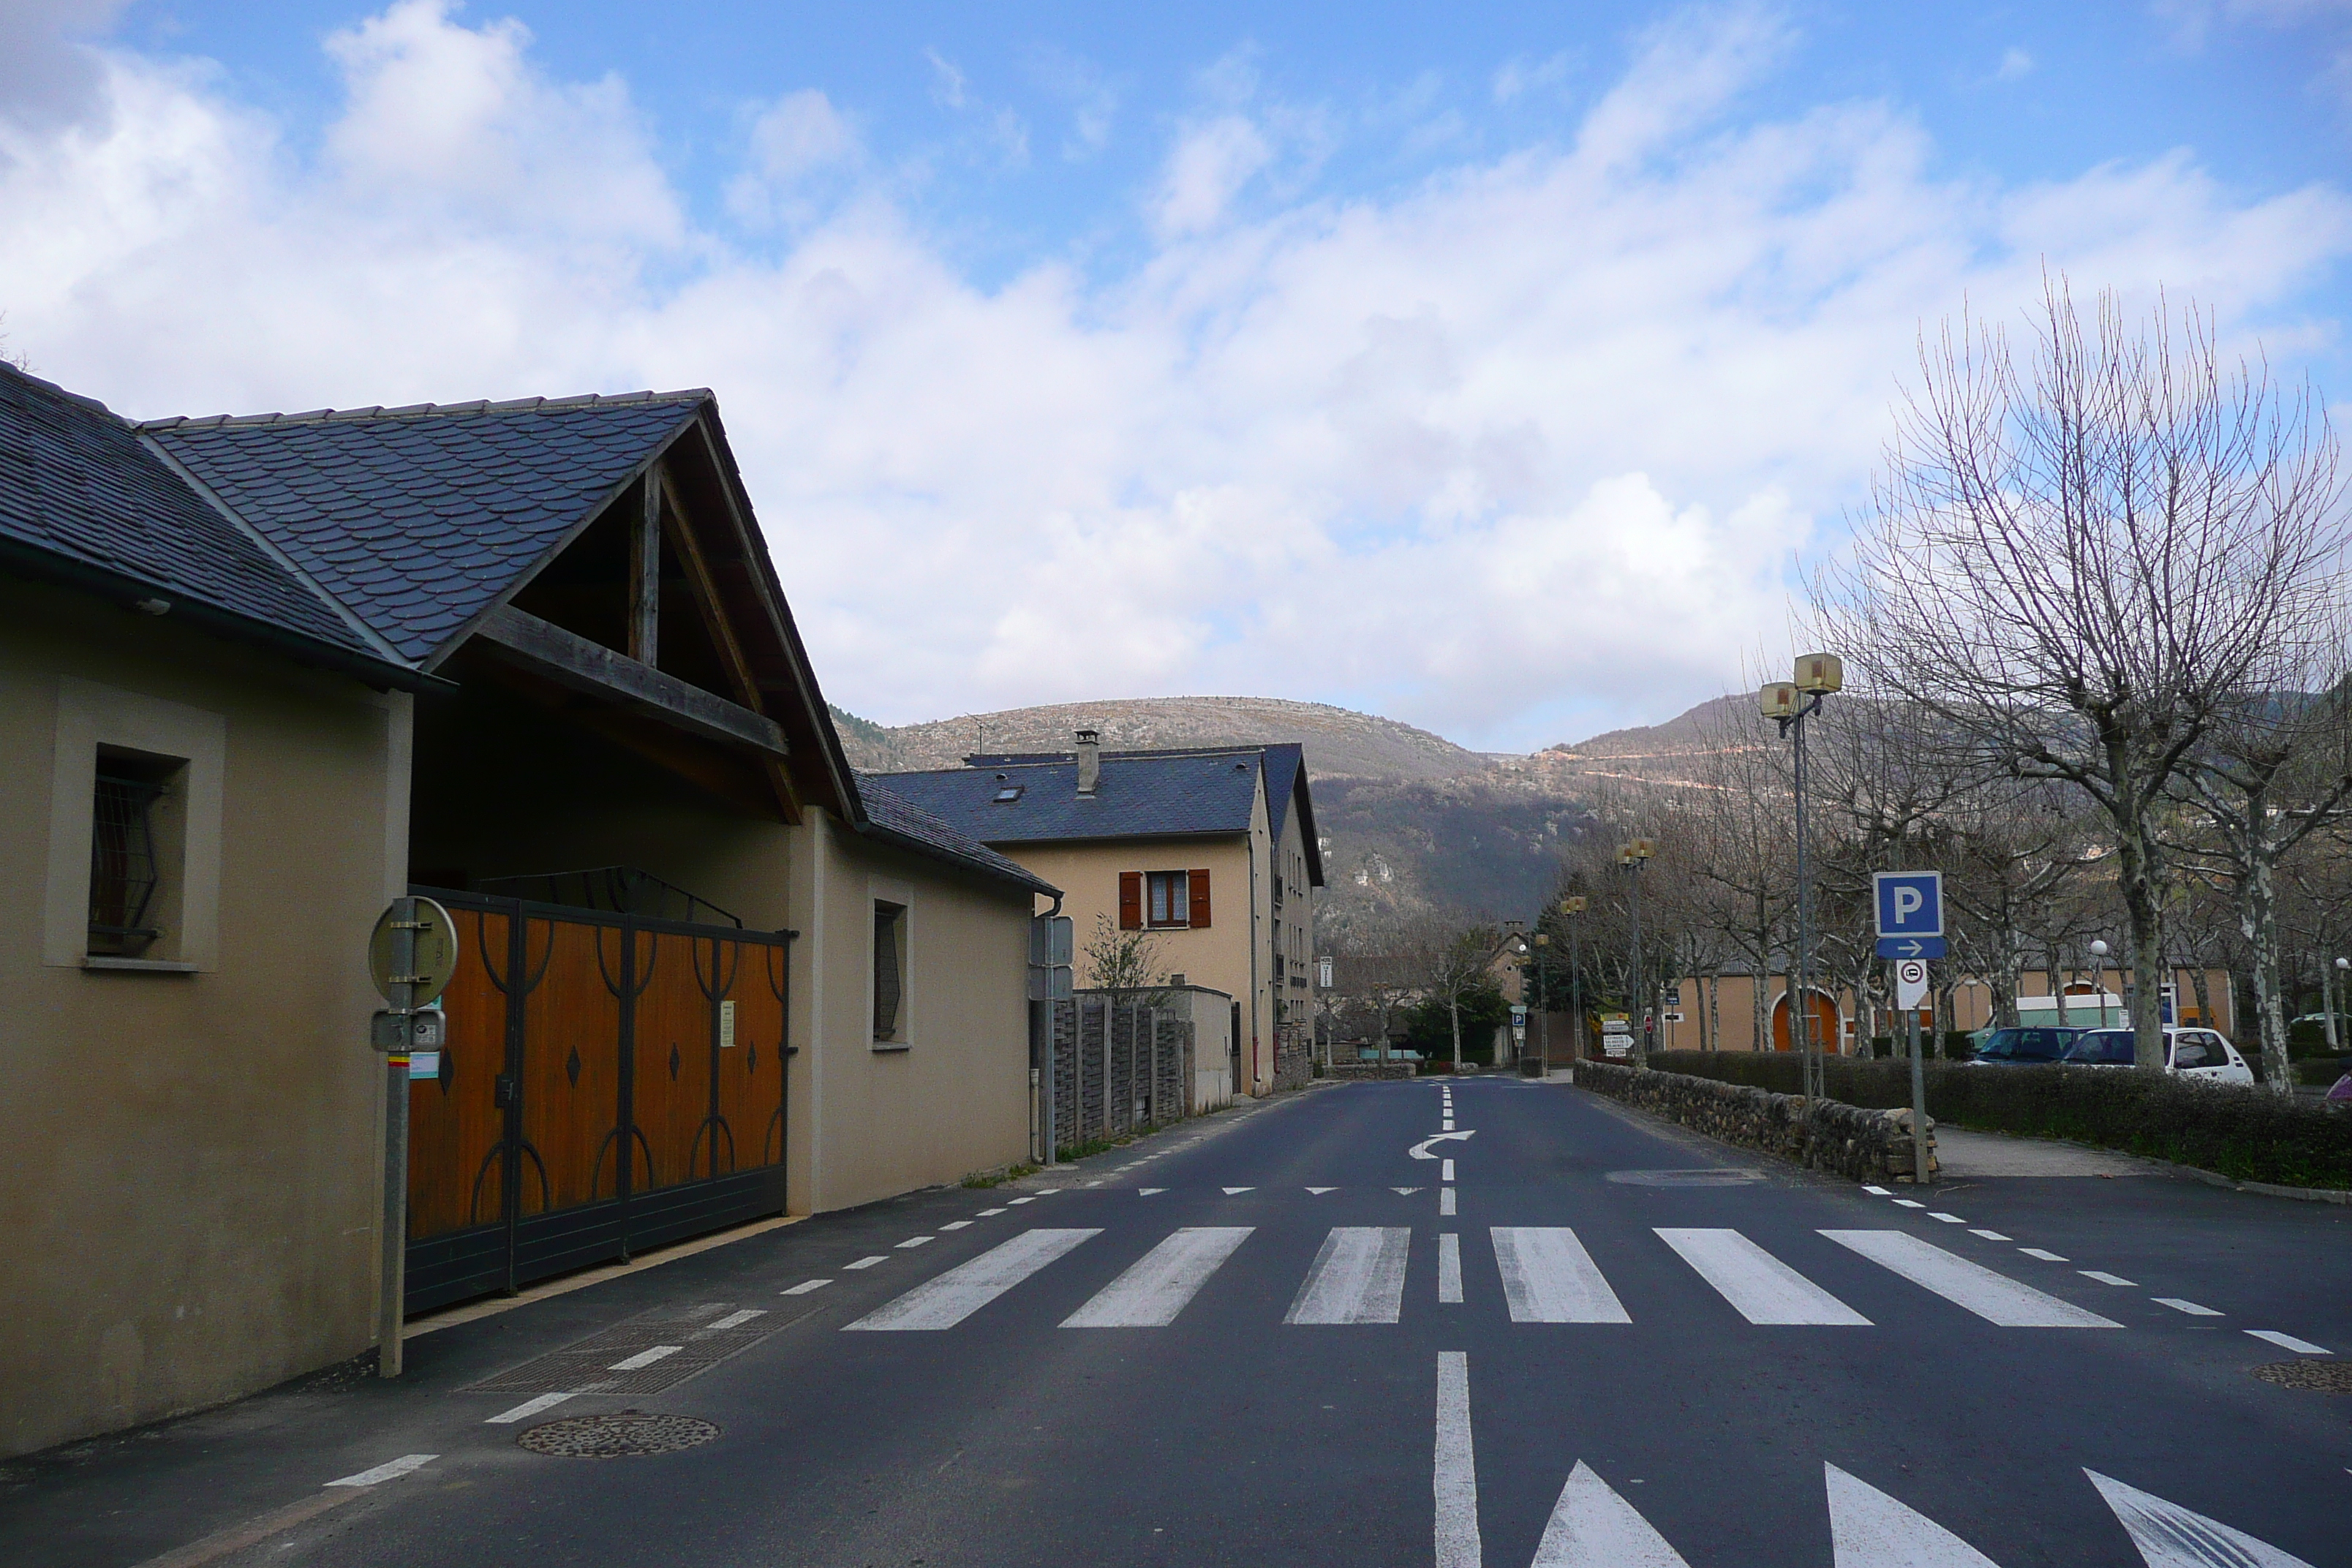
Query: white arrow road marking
1761, 1287
1870, 1530
1421, 1150
1230, 1191
1318, 1191
1357, 1277
390, 1471
1454, 1477
1147, 1192
1162, 1283
944, 1302
2170, 1536
1404, 1192
1995, 1298
1592, 1527
1549, 1277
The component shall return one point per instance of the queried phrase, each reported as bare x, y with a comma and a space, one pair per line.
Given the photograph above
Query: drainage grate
689, 1341
2319, 1376
1712, 1177
620, 1434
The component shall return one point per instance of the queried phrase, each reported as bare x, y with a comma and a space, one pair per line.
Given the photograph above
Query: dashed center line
2192, 1308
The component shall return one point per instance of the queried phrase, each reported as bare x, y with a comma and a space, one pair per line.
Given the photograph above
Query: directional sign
1910, 982
1910, 947
1910, 903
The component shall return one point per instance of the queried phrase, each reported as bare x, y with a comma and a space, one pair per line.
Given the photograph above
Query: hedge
2246, 1133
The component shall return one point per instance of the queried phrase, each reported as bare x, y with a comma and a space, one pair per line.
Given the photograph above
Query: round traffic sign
1910, 973
435, 961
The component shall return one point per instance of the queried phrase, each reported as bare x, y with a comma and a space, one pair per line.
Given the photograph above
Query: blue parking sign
1910, 903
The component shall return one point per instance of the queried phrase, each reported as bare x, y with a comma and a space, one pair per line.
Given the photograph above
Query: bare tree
1452, 961
2075, 565
1124, 963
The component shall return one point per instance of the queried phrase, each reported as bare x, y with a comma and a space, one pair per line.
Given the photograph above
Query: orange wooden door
456, 1130
1824, 1024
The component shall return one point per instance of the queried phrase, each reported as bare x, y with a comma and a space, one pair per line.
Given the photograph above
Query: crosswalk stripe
1759, 1287
2170, 1536
1357, 1277
949, 1299
1592, 1527
1549, 1277
1995, 1298
1157, 1286
1869, 1528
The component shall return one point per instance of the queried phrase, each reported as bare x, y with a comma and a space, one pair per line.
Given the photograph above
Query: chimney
1090, 760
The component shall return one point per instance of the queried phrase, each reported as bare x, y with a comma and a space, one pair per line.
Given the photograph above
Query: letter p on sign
1909, 903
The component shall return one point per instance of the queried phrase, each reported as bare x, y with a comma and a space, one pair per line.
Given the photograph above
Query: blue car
2036, 1047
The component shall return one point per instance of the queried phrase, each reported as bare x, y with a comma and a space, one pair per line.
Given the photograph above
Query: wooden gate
610, 1083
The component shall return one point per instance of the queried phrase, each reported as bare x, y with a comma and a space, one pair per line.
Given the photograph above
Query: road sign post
412, 957
1910, 990
1910, 908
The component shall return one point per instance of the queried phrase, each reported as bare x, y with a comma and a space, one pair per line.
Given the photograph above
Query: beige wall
870, 1123
189, 1207
1294, 976
1971, 1006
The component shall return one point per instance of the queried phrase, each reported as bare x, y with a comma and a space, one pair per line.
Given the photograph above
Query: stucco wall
870, 1123
189, 1207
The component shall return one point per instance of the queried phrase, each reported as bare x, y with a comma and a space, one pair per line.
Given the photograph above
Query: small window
1008, 794
133, 850
890, 971
1170, 898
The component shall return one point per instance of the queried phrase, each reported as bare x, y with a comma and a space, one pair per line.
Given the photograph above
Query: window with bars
890, 971
128, 854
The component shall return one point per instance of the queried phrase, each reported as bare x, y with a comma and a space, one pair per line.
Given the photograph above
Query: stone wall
1369, 1072
1865, 1145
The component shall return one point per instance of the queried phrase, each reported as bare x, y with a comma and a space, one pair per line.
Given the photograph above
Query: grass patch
998, 1178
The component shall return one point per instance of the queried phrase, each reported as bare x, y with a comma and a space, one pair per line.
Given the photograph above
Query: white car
2190, 1053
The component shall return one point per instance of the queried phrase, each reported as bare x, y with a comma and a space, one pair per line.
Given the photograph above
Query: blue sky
1495, 367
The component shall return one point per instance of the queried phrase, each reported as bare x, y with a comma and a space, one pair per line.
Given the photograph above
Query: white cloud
2016, 65
1541, 435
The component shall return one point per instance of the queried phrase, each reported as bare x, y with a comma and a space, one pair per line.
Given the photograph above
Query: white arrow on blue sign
1910, 903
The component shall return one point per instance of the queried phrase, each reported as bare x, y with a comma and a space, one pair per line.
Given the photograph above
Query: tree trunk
1453, 1012
2136, 880
2258, 921
2004, 984
1757, 981
1714, 1012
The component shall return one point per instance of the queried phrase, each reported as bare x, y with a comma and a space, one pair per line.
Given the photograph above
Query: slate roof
84, 499
418, 519
891, 816
1140, 795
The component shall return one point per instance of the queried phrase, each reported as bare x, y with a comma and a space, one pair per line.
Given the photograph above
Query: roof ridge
64, 392
410, 410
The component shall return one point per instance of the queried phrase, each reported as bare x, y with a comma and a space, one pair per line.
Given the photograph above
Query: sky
1501, 369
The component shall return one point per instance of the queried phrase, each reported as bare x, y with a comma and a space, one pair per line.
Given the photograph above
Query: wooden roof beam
572, 660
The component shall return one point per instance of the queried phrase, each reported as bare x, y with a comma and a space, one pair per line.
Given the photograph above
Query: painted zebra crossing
1359, 1274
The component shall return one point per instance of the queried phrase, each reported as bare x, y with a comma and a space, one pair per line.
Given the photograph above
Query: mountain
1408, 821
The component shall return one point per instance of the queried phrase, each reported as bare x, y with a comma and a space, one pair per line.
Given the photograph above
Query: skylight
1009, 793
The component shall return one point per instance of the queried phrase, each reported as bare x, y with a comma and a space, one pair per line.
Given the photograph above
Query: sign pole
391, 1289
1919, 1106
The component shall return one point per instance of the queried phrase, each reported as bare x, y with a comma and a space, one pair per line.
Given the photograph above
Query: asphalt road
1288, 1340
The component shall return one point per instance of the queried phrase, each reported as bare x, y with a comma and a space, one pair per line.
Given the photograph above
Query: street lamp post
1629, 855
1573, 907
1543, 1009
2328, 999
1789, 703
2099, 973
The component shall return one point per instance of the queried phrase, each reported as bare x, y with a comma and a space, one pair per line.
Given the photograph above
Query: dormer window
1007, 794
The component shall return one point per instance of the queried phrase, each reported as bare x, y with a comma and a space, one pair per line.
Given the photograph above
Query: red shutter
1131, 900
1198, 881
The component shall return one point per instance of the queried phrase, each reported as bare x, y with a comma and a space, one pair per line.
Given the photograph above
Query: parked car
2034, 1046
2192, 1053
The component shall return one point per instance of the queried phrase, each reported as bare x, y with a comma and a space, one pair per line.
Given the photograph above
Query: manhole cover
2320, 1376
1708, 1178
617, 1435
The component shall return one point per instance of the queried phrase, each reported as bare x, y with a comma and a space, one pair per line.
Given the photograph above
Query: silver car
2190, 1053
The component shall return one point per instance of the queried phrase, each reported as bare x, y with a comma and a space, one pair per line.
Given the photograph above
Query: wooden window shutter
1131, 900
1199, 882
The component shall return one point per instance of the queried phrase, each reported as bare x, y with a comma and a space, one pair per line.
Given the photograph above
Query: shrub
2246, 1133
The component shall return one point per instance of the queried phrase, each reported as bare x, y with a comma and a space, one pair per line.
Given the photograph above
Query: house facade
1209, 852
261, 675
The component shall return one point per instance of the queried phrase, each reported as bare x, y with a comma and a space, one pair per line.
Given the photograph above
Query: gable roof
1286, 778
890, 817
1142, 795
421, 517
84, 501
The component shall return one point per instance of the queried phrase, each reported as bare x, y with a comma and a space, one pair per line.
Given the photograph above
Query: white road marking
1989, 1235
390, 1471
1446, 1171
1090, 1184
2170, 1536
956, 1225
917, 1241
1042, 1192
804, 1286
528, 1408
1870, 1530
1454, 1476
1158, 1285
1147, 1192
1592, 1527
868, 1262
1759, 1287
985, 1213
1448, 1126
1318, 1191
1947, 1219
1445, 1201
2037, 1252
2103, 1276
1230, 1191
1549, 1277
1882, 1192
736, 1319
2192, 1308
1910, 1203
1995, 1298
1421, 1150
644, 1358
949, 1299
2289, 1342
1017, 1202
1404, 1192
1449, 1269
1357, 1277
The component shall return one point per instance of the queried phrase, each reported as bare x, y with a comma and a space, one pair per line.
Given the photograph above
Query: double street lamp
1629, 855
1789, 703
